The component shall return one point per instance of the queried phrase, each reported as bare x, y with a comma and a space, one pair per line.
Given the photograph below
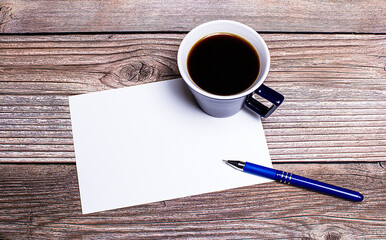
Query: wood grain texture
335, 88
42, 202
17, 16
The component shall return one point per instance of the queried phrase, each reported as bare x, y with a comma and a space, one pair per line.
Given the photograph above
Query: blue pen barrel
317, 186
299, 181
260, 170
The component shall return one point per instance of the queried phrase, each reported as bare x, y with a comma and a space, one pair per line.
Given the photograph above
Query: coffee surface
223, 64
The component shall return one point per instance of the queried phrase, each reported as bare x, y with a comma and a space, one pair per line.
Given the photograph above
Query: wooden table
327, 57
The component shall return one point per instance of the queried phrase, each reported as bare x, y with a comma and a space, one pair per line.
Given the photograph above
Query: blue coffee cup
228, 105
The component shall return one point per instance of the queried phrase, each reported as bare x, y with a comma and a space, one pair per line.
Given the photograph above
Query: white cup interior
223, 26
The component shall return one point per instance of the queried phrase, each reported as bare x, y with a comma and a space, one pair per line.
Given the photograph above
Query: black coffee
223, 64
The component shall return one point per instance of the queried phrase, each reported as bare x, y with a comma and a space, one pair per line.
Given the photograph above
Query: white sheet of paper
151, 143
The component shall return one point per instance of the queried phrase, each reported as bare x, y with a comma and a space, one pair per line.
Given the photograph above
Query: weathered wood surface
334, 115
42, 201
335, 88
17, 16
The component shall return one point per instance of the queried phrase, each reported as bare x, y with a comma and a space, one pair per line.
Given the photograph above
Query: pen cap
310, 184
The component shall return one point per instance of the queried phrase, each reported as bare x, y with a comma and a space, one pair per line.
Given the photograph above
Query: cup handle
267, 93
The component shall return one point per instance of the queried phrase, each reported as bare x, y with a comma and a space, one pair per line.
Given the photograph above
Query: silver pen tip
234, 164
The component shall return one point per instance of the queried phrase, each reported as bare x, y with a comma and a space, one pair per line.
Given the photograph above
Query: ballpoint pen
295, 180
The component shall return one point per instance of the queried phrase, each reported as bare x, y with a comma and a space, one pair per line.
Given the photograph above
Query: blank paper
150, 143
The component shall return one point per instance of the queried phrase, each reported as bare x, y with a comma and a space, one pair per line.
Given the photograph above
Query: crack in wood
29, 224
382, 165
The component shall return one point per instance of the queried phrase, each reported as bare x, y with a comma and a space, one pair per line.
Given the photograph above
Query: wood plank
17, 16
334, 108
42, 201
